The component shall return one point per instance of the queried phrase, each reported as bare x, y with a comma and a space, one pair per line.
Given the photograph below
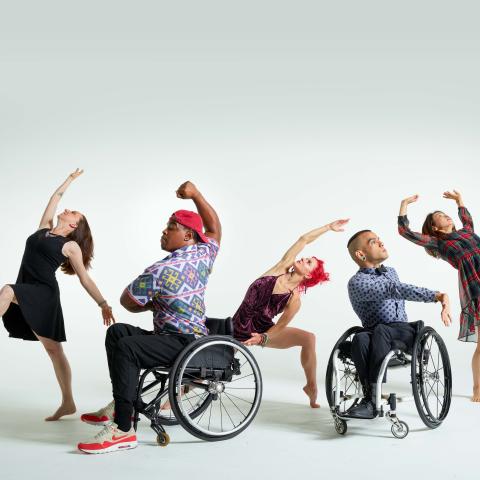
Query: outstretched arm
291, 254
211, 222
463, 213
49, 213
425, 241
381, 288
74, 254
292, 308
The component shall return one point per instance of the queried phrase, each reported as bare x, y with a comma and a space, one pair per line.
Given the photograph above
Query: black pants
370, 347
129, 349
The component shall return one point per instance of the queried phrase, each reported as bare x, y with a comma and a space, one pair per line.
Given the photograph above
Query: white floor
287, 439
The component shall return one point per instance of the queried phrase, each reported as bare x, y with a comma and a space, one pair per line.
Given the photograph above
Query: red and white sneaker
101, 417
110, 439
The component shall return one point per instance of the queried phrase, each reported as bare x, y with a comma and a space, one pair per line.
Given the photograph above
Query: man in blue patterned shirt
173, 289
378, 298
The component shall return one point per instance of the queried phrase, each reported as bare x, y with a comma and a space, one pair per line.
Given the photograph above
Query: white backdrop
286, 115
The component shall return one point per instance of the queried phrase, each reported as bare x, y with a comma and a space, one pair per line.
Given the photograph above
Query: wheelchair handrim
330, 380
427, 382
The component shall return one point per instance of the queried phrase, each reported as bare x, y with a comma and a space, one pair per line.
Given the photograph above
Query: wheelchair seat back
215, 357
210, 361
219, 326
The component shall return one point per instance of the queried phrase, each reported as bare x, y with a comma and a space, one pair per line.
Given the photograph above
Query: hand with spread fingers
457, 196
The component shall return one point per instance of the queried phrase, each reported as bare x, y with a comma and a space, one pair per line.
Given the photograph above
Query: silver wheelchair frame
430, 378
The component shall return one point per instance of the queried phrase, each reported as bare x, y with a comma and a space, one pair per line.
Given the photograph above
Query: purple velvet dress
258, 308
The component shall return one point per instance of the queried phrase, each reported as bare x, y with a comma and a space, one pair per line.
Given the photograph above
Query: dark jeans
130, 349
370, 347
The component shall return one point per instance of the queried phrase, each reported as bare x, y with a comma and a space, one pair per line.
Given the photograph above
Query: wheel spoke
226, 411
239, 398
210, 417
228, 396
240, 388
203, 413
237, 379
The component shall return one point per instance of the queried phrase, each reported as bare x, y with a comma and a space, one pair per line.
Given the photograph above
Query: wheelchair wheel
431, 377
225, 370
349, 382
163, 439
153, 399
400, 430
341, 426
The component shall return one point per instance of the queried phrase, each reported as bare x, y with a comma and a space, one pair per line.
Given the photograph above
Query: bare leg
64, 377
7, 296
295, 337
476, 370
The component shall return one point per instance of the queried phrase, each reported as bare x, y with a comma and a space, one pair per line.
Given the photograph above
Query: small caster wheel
163, 439
340, 426
400, 430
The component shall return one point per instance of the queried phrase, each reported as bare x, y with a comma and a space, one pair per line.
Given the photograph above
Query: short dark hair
353, 237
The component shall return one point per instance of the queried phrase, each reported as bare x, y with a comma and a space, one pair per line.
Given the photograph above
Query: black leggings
130, 349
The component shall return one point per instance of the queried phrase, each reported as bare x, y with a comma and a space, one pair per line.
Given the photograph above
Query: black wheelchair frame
213, 389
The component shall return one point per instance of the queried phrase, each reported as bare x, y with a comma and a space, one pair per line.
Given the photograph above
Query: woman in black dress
31, 307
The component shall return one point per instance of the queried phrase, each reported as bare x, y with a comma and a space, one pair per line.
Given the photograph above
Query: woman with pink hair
278, 291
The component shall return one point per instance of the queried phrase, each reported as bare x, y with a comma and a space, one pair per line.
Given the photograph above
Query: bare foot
312, 395
476, 394
166, 406
63, 409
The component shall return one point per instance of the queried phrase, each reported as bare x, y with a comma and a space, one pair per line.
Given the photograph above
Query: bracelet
102, 303
264, 340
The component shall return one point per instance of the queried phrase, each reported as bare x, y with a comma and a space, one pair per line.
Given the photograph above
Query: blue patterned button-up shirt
378, 296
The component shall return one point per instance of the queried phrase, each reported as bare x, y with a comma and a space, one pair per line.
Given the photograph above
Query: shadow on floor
24, 424
300, 418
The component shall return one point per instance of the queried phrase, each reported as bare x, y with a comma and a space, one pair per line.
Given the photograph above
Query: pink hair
318, 275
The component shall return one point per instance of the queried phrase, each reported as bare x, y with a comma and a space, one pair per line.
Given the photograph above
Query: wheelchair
431, 380
213, 389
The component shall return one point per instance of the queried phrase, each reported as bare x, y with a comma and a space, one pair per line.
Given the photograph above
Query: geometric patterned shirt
378, 296
176, 287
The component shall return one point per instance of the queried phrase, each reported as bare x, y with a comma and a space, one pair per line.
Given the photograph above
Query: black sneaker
364, 409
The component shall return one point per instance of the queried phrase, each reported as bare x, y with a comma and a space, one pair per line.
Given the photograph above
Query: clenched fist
187, 190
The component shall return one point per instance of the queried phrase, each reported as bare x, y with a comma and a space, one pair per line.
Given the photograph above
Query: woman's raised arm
49, 213
291, 254
404, 230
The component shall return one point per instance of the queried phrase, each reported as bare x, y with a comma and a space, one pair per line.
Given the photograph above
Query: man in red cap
173, 289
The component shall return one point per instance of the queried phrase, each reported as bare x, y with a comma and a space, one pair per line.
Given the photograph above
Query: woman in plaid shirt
461, 249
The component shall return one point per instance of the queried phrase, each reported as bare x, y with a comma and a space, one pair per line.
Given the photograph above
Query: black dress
36, 290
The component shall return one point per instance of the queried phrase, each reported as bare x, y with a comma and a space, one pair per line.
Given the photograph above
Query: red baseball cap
190, 220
